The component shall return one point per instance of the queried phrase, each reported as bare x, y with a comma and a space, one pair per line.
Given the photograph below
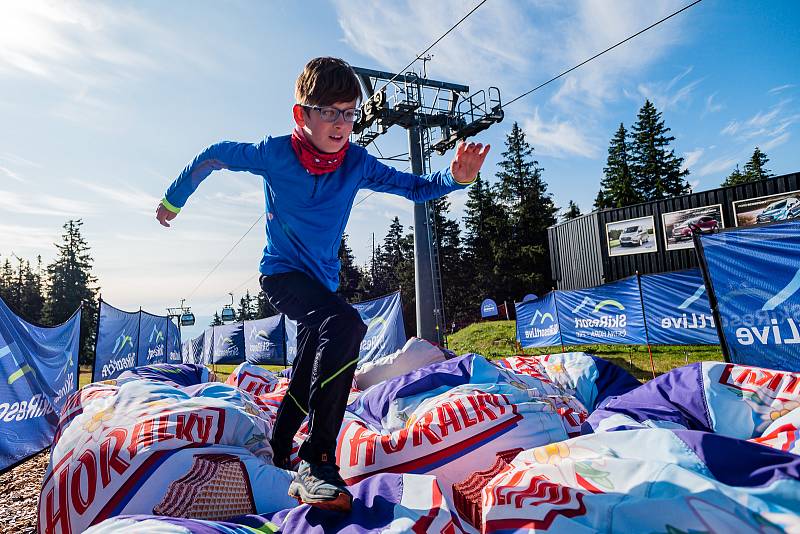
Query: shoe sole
343, 502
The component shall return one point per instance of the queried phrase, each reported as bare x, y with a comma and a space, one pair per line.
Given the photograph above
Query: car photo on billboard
767, 209
679, 226
631, 236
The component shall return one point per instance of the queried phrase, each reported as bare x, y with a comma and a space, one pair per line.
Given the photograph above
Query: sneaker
321, 486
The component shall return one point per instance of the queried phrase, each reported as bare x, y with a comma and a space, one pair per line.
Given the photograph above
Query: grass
495, 339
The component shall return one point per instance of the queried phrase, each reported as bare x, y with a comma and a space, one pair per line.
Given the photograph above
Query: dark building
608, 245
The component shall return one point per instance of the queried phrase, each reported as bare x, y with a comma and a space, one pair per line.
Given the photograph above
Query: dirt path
19, 495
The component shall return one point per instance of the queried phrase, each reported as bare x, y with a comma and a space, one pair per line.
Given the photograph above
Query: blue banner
173, 342
537, 322
385, 330
208, 346
265, 341
195, 350
117, 340
152, 339
228, 344
488, 308
755, 276
38, 370
609, 314
291, 340
677, 310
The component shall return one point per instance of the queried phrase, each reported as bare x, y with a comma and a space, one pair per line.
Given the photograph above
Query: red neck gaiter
312, 160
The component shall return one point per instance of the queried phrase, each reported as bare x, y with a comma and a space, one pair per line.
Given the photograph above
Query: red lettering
87, 464
423, 426
362, 436
183, 430
203, 429
447, 417
766, 377
747, 375
161, 428
109, 456
142, 435
389, 447
58, 520
468, 421
478, 403
793, 380
495, 401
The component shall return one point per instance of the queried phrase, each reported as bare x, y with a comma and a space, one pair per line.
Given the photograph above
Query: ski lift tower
437, 115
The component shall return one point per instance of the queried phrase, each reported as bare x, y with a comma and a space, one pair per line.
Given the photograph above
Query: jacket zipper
314, 191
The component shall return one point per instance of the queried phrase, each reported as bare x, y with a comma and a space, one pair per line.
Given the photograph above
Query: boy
311, 178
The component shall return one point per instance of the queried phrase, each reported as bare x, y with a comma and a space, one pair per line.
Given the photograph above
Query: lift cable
601, 53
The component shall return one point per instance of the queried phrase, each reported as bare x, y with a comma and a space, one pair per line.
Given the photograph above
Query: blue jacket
306, 214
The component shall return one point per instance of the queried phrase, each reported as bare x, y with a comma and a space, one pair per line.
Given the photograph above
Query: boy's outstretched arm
461, 172
225, 155
467, 161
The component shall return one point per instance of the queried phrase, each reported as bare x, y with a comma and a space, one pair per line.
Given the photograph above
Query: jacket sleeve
386, 179
229, 155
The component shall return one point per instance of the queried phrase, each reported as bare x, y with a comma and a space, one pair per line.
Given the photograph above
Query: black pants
329, 333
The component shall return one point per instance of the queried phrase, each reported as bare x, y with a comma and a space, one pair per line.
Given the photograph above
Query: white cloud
691, 157
767, 128
667, 95
595, 26
123, 196
718, 165
26, 240
781, 88
711, 106
775, 141
477, 53
11, 174
558, 138
47, 205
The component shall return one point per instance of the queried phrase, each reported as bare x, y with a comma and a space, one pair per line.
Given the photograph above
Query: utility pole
437, 115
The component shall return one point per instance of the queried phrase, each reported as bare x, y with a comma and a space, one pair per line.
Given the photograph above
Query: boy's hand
467, 161
163, 214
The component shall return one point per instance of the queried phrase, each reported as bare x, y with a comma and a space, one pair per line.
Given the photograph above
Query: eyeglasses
331, 114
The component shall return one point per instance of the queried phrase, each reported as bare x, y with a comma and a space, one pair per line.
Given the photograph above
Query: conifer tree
216, 320
451, 262
573, 212
656, 167
247, 310
263, 306
349, 274
71, 285
734, 178
755, 169
618, 186
522, 255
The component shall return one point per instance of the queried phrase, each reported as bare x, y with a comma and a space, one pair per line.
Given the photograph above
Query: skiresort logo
612, 325
259, 340
155, 336
781, 330
227, 347
373, 339
541, 316
120, 343
540, 331
690, 320
19, 370
692, 299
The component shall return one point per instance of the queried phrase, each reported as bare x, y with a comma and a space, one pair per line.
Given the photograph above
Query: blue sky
103, 103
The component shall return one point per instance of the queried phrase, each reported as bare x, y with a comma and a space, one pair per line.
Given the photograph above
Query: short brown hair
325, 81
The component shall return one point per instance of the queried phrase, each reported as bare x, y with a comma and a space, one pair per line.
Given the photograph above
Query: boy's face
326, 136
